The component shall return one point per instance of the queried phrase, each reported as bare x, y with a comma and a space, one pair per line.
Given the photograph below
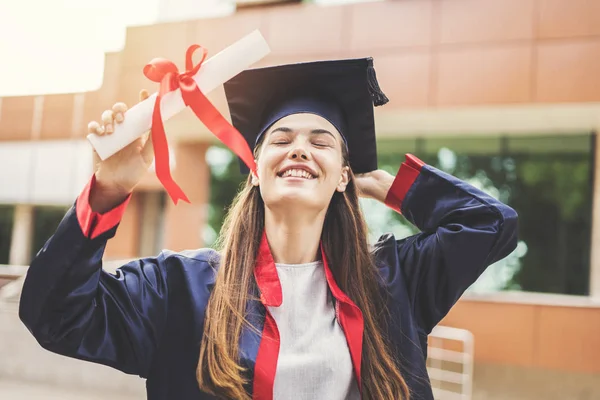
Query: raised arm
74, 308
463, 231
68, 302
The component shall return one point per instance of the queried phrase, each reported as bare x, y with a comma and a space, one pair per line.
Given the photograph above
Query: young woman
295, 304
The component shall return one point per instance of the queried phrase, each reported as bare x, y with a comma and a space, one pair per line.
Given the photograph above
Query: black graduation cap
342, 91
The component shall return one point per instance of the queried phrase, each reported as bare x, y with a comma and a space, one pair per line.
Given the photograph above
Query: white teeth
297, 173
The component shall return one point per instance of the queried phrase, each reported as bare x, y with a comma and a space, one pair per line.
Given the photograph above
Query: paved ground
12, 390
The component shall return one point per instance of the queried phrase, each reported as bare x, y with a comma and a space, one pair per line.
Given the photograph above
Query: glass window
548, 180
225, 181
45, 221
7, 214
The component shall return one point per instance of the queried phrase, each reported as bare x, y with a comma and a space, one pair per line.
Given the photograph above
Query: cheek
331, 164
267, 162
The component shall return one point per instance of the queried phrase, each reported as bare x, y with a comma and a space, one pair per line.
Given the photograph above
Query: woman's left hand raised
374, 184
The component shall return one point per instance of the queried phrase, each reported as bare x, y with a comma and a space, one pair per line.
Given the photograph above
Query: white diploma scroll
214, 72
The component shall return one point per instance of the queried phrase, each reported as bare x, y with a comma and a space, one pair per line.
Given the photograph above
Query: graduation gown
148, 318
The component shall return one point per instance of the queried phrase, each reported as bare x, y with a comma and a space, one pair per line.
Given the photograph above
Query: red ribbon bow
166, 72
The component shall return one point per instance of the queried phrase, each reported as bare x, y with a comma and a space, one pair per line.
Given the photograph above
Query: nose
299, 153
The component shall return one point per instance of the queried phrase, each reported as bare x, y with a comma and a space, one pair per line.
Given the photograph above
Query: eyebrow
313, 132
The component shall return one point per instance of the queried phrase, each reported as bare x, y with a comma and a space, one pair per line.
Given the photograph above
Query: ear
255, 181
344, 179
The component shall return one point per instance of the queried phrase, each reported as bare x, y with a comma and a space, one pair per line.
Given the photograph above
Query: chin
296, 197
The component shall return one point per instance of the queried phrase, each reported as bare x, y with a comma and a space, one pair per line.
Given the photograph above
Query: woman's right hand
120, 173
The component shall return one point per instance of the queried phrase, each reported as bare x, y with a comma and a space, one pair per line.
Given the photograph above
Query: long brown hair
345, 245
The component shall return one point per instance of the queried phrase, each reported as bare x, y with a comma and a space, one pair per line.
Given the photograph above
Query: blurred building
503, 93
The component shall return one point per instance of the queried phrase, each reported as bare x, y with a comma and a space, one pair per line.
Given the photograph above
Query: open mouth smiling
295, 172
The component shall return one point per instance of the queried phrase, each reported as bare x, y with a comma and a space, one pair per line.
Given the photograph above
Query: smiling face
300, 162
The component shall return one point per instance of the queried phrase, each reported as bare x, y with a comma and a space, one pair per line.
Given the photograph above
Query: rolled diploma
214, 72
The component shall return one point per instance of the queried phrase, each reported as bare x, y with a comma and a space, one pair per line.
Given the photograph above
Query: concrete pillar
595, 248
184, 222
125, 244
151, 223
22, 235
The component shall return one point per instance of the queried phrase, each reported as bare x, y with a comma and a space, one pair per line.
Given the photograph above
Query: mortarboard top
342, 91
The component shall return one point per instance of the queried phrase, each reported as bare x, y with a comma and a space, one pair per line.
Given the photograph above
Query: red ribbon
166, 72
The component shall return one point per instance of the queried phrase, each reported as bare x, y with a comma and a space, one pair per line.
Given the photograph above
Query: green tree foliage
226, 180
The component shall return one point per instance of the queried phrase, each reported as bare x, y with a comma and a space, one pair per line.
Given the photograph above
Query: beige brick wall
503, 382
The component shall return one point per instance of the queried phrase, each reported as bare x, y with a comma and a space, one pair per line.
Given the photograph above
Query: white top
314, 359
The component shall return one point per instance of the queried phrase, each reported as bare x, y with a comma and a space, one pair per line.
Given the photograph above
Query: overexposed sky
57, 46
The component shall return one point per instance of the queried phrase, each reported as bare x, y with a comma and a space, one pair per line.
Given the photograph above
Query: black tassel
379, 98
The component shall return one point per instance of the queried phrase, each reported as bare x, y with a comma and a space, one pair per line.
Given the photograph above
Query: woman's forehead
305, 122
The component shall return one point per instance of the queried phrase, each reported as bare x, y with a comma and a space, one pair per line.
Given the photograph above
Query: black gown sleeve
463, 231
75, 308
